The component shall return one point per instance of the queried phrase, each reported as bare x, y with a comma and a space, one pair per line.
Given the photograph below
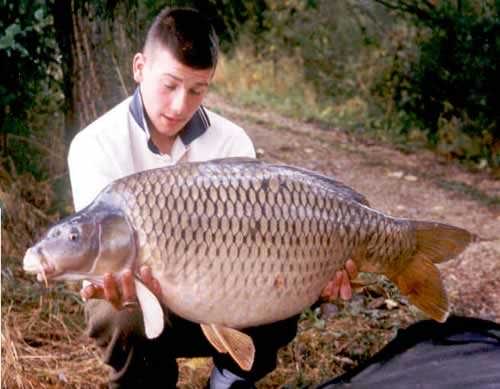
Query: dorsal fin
332, 183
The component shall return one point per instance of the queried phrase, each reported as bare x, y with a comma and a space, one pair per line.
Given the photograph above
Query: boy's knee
136, 360
105, 323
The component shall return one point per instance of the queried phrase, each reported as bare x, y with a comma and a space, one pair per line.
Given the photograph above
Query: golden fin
440, 242
228, 340
421, 283
420, 279
213, 338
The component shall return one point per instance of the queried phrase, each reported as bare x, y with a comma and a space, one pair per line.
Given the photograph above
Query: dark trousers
137, 360
464, 352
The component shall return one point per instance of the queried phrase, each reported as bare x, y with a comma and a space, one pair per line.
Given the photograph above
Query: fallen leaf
328, 311
390, 304
376, 303
196, 363
396, 174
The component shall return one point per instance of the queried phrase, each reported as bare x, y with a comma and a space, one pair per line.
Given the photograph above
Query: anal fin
228, 340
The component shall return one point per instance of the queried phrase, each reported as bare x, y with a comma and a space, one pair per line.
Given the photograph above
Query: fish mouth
35, 262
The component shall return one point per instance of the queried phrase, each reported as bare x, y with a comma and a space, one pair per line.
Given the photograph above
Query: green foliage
449, 87
331, 39
27, 50
312, 59
429, 76
28, 67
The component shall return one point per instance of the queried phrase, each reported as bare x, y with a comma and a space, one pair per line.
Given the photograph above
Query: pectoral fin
227, 340
152, 311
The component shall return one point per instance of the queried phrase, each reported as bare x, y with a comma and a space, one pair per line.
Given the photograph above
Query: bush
448, 88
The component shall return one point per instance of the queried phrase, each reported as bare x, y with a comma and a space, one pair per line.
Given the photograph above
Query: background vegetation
421, 74
410, 71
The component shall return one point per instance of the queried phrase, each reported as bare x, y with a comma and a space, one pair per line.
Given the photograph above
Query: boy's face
171, 91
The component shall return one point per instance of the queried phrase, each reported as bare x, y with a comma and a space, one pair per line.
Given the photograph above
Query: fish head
69, 246
87, 243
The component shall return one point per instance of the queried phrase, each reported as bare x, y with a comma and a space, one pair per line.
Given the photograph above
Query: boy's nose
179, 102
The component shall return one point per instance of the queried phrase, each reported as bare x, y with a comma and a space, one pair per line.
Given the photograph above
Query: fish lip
31, 261
36, 262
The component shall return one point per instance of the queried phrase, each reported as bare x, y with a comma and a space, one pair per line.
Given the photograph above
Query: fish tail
420, 280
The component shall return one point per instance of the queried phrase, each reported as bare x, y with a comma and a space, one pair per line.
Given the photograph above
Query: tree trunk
63, 23
95, 53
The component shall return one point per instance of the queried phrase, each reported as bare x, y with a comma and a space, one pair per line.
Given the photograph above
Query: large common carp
237, 243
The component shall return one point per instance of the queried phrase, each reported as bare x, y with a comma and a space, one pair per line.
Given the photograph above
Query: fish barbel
237, 243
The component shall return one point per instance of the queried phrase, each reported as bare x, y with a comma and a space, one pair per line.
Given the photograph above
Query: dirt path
418, 185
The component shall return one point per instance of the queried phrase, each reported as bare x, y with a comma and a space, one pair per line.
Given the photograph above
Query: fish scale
237, 243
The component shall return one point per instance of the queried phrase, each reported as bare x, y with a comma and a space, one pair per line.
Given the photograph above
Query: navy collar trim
193, 129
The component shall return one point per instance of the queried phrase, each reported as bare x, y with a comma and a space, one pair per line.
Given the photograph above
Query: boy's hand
120, 291
341, 284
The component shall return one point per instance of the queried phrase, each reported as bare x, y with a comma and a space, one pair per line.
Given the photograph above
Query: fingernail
84, 294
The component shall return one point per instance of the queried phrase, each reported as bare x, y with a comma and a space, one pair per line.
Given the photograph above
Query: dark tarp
461, 353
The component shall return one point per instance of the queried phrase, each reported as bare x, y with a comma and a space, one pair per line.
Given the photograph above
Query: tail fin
420, 279
441, 242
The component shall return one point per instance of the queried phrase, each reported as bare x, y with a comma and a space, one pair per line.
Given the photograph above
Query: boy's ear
138, 65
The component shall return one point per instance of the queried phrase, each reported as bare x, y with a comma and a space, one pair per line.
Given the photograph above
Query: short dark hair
187, 34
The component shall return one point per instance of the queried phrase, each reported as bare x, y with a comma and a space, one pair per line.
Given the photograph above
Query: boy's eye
169, 86
195, 92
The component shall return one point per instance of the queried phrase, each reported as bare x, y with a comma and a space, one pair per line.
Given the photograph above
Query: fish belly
244, 292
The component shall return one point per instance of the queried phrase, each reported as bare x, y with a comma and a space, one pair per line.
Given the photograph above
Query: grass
42, 335
280, 86
470, 191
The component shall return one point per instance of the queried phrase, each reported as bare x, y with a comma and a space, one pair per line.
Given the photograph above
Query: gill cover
117, 252
116, 243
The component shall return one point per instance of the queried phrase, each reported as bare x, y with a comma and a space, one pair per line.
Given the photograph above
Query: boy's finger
327, 291
146, 276
128, 288
337, 282
157, 288
111, 292
92, 292
351, 268
345, 287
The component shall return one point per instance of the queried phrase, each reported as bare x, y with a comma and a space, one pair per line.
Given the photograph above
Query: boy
164, 123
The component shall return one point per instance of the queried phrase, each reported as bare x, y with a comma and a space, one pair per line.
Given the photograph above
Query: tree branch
408, 7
